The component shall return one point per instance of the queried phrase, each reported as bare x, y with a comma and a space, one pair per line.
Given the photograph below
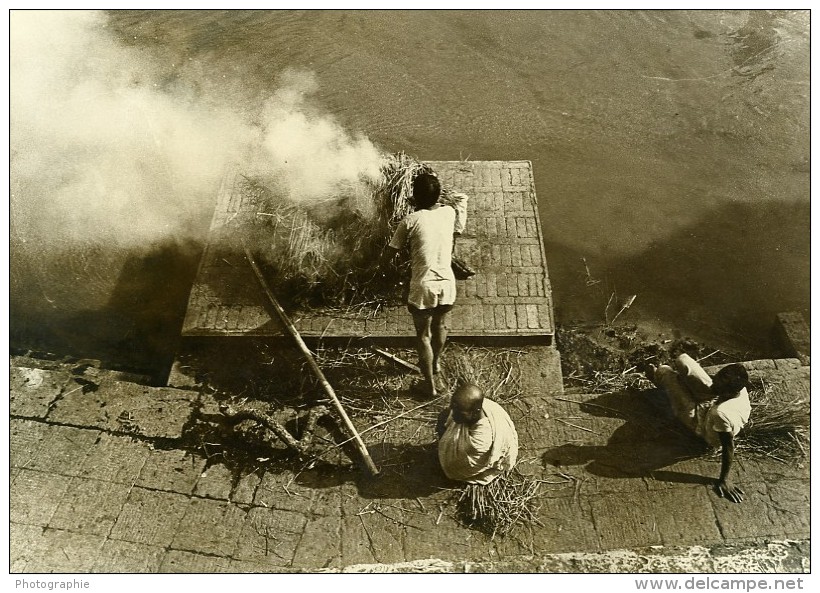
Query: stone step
541, 371
92, 368
85, 396
794, 335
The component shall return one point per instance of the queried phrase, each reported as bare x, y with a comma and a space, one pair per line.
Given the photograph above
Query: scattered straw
499, 507
609, 381
496, 370
778, 426
370, 385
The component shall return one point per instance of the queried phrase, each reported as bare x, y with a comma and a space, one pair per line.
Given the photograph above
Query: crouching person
477, 438
715, 409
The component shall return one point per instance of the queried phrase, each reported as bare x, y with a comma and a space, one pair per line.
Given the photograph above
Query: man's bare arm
727, 454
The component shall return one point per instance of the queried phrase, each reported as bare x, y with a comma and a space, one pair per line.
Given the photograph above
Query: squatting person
430, 230
477, 439
715, 409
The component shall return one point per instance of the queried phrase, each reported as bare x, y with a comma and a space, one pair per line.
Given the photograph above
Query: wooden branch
314, 415
314, 367
239, 414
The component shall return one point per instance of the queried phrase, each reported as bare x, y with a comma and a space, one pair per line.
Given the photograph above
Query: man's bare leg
683, 404
439, 338
424, 347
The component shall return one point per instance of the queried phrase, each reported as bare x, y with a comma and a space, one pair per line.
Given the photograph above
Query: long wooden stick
399, 361
371, 467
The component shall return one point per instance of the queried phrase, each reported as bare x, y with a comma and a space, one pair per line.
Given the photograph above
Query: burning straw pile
330, 253
778, 426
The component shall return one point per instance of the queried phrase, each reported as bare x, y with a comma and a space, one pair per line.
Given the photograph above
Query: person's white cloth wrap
477, 454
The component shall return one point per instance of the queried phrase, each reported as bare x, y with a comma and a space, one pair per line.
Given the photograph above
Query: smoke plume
109, 143
313, 155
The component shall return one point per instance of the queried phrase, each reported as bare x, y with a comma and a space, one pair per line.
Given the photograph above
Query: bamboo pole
314, 367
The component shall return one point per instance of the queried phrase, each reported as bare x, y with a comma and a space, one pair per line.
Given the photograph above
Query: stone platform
619, 490
510, 295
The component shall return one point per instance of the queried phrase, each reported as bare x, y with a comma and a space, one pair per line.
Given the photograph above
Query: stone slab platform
510, 295
72, 395
620, 492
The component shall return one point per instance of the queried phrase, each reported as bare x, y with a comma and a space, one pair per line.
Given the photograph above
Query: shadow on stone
406, 471
649, 440
132, 325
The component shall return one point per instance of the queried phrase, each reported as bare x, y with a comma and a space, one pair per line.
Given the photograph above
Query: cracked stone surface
618, 495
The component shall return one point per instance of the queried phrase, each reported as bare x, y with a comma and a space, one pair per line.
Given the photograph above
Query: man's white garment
688, 386
430, 233
727, 416
478, 453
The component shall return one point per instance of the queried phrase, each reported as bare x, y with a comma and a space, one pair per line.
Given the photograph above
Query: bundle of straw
499, 507
778, 427
394, 194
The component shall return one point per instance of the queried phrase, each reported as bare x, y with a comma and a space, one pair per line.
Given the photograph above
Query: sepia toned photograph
410, 291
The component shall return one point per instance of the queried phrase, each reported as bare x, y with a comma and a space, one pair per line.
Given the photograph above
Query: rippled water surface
670, 149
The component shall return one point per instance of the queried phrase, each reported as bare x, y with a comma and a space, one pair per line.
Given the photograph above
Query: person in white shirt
430, 231
714, 408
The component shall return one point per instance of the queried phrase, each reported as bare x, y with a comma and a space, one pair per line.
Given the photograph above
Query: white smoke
315, 156
104, 147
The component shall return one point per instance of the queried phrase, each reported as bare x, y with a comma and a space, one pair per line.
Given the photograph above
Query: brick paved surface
509, 296
97, 498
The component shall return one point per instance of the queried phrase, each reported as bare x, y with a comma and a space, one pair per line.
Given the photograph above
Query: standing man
430, 231
715, 409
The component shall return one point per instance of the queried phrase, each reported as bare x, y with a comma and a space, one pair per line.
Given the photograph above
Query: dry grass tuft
778, 427
495, 370
502, 505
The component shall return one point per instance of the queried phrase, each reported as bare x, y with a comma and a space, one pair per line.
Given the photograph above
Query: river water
670, 151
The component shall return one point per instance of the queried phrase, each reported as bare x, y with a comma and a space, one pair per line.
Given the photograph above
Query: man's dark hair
730, 379
426, 190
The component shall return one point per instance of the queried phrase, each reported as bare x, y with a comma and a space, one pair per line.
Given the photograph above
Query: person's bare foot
423, 388
441, 384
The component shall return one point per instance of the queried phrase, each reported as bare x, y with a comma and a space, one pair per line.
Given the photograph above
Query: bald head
466, 404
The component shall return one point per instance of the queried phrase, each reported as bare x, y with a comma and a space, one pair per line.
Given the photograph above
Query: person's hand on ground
726, 490
648, 369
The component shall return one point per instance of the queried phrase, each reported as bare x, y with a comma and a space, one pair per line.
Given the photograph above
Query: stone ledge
794, 335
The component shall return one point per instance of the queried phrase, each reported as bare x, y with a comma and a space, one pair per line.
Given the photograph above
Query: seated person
477, 439
715, 409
